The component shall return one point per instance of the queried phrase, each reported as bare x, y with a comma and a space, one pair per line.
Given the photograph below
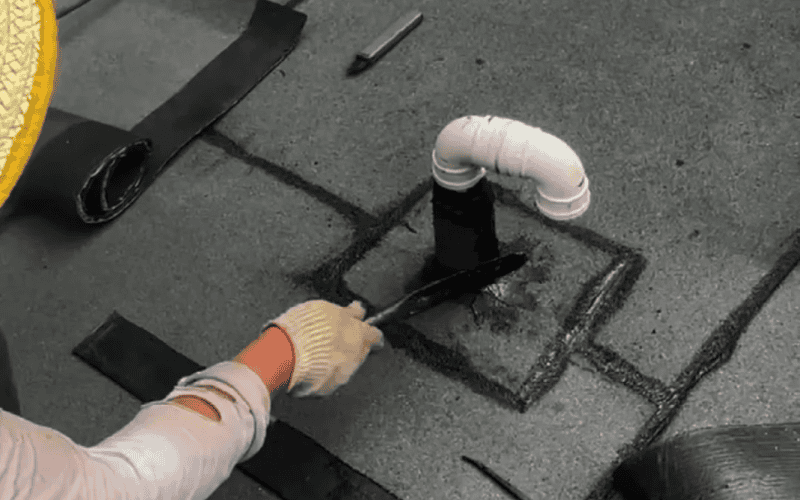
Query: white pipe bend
469, 145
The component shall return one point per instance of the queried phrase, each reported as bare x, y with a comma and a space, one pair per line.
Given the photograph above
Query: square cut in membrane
506, 327
503, 330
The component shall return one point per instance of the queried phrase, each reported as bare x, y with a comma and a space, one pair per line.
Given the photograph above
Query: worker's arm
271, 357
183, 449
189, 446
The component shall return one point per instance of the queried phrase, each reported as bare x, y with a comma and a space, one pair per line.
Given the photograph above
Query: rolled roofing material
86, 172
82, 170
725, 463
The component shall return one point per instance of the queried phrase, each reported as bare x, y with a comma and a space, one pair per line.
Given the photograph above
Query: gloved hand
330, 344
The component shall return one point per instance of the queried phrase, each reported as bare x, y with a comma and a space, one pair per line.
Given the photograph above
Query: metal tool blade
433, 294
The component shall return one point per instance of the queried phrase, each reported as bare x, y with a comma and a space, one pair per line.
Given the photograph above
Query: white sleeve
166, 452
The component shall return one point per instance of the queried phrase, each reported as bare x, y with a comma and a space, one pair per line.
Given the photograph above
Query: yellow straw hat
28, 69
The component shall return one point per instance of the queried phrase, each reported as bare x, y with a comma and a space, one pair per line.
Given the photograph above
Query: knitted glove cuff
310, 330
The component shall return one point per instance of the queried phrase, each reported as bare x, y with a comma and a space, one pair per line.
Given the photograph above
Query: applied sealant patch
511, 340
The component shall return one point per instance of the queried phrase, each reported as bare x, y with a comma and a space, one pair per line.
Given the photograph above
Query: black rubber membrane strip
290, 463
86, 172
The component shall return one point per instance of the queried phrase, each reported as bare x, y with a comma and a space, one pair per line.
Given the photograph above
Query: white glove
330, 344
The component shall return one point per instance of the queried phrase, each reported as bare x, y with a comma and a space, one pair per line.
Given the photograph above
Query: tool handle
392, 35
385, 315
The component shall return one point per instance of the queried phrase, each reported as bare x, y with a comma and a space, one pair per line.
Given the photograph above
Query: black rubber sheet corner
290, 463
86, 172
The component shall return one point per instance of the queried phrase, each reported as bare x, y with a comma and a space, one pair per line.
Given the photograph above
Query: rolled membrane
725, 463
83, 171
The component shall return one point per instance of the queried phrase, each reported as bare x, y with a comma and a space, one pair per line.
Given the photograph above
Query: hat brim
29, 32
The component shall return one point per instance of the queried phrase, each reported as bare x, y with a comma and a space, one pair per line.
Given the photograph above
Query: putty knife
433, 294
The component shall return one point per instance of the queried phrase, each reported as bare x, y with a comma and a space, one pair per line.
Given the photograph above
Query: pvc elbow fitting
470, 145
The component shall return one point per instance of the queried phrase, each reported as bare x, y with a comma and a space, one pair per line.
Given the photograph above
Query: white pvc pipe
467, 146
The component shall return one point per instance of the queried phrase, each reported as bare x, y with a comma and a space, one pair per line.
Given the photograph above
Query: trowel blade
433, 294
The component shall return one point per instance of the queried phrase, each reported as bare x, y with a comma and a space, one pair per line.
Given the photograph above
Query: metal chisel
388, 39
433, 294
